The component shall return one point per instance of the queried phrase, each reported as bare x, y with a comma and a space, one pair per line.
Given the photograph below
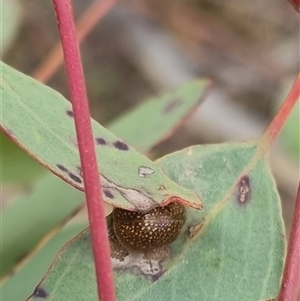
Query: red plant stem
273, 130
291, 276
93, 190
97, 10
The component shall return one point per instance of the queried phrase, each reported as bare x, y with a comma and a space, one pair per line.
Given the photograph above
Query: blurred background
250, 49
139, 49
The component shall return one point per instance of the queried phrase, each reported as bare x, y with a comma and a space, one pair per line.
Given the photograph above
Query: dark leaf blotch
100, 141
121, 145
75, 178
39, 292
62, 168
108, 194
244, 190
70, 113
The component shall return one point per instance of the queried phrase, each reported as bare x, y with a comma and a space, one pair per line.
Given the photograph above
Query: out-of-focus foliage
29, 218
10, 22
16, 165
291, 133
32, 270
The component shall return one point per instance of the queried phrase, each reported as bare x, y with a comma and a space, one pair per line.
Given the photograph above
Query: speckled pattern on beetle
139, 231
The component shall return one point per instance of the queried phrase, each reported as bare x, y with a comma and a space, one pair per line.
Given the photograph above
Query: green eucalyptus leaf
157, 118
29, 273
16, 165
26, 220
233, 250
41, 122
290, 136
11, 16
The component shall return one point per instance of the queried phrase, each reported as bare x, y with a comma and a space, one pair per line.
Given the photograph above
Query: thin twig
93, 14
291, 276
93, 189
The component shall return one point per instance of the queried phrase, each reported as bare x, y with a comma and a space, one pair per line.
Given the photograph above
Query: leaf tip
196, 205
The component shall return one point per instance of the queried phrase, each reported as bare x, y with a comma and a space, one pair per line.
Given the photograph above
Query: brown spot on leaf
100, 141
171, 106
70, 174
70, 113
194, 230
121, 146
243, 190
75, 178
62, 168
108, 194
39, 292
